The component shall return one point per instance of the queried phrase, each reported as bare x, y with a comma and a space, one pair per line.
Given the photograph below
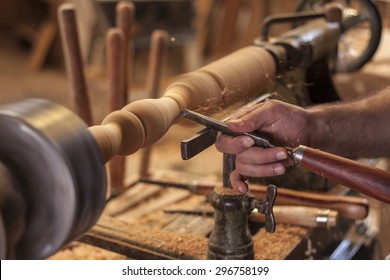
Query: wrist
319, 130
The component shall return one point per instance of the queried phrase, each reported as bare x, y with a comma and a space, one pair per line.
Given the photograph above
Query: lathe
54, 184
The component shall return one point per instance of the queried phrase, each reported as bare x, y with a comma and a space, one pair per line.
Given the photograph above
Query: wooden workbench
135, 226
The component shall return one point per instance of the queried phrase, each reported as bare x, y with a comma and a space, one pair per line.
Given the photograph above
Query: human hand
285, 125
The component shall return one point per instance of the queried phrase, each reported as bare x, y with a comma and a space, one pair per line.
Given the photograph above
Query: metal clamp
266, 207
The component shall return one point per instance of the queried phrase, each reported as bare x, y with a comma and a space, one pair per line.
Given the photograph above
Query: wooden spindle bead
157, 57
108, 138
121, 133
156, 116
132, 135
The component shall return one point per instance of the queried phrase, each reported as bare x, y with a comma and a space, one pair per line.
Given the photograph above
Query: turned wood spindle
119, 64
157, 55
139, 124
74, 61
125, 17
115, 53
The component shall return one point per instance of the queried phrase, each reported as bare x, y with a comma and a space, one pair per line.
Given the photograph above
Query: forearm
356, 129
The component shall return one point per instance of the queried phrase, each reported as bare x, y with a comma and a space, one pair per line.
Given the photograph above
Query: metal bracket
266, 207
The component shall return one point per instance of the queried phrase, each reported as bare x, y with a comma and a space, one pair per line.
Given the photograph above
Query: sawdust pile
278, 245
82, 251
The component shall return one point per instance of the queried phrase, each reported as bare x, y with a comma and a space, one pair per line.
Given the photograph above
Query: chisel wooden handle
349, 207
293, 215
371, 181
301, 215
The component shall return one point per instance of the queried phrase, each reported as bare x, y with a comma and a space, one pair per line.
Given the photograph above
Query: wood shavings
278, 245
82, 251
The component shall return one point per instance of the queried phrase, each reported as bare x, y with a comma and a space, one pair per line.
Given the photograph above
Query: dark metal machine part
59, 170
3, 240
230, 237
13, 212
310, 47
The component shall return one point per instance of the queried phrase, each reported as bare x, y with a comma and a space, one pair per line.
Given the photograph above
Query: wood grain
371, 181
74, 61
141, 123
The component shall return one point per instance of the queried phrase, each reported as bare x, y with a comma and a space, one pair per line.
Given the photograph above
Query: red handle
371, 181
